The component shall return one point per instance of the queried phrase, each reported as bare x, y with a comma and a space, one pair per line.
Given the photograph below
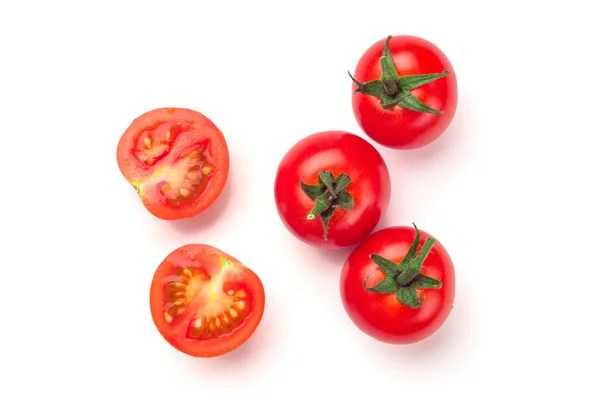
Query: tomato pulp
398, 285
331, 189
176, 159
204, 302
404, 92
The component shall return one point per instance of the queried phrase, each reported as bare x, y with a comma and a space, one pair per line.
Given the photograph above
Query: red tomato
204, 302
176, 159
406, 97
331, 189
398, 285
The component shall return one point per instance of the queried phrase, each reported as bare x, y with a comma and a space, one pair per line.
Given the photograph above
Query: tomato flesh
204, 302
176, 159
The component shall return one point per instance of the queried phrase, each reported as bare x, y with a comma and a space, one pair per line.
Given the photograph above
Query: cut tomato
176, 159
204, 302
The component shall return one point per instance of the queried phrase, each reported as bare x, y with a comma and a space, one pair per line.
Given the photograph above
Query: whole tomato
331, 189
404, 92
398, 285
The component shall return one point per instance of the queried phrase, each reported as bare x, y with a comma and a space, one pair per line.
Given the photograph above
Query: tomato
404, 92
398, 285
331, 189
176, 159
204, 302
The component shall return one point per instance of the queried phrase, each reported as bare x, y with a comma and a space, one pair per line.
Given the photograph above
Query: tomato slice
177, 160
204, 302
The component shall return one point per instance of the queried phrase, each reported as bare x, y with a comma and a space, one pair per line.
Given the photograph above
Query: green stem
389, 74
330, 190
414, 267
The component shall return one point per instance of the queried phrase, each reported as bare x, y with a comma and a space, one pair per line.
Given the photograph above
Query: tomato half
331, 189
404, 94
176, 159
204, 302
398, 285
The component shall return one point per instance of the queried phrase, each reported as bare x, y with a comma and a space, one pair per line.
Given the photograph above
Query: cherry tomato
331, 189
204, 302
176, 159
404, 92
398, 285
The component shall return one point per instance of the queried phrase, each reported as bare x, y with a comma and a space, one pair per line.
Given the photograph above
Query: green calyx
394, 90
405, 278
329, 194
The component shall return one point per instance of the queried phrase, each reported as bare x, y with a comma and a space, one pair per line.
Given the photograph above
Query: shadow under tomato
391, 217
333, 257
209, 217
446, 346
457, 139
320, 257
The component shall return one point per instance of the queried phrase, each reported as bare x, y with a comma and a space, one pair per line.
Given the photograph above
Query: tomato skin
400, 128
339, 152
382, 316
193, 131
232, 276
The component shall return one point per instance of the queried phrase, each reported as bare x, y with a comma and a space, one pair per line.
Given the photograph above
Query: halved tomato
204, 302
177, 160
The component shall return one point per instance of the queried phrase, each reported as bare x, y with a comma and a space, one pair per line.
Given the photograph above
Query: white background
509, 189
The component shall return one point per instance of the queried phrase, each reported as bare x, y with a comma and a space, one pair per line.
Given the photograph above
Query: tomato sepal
409, 297
394, 90
386, 286
405, 277
329, 194
425, 282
